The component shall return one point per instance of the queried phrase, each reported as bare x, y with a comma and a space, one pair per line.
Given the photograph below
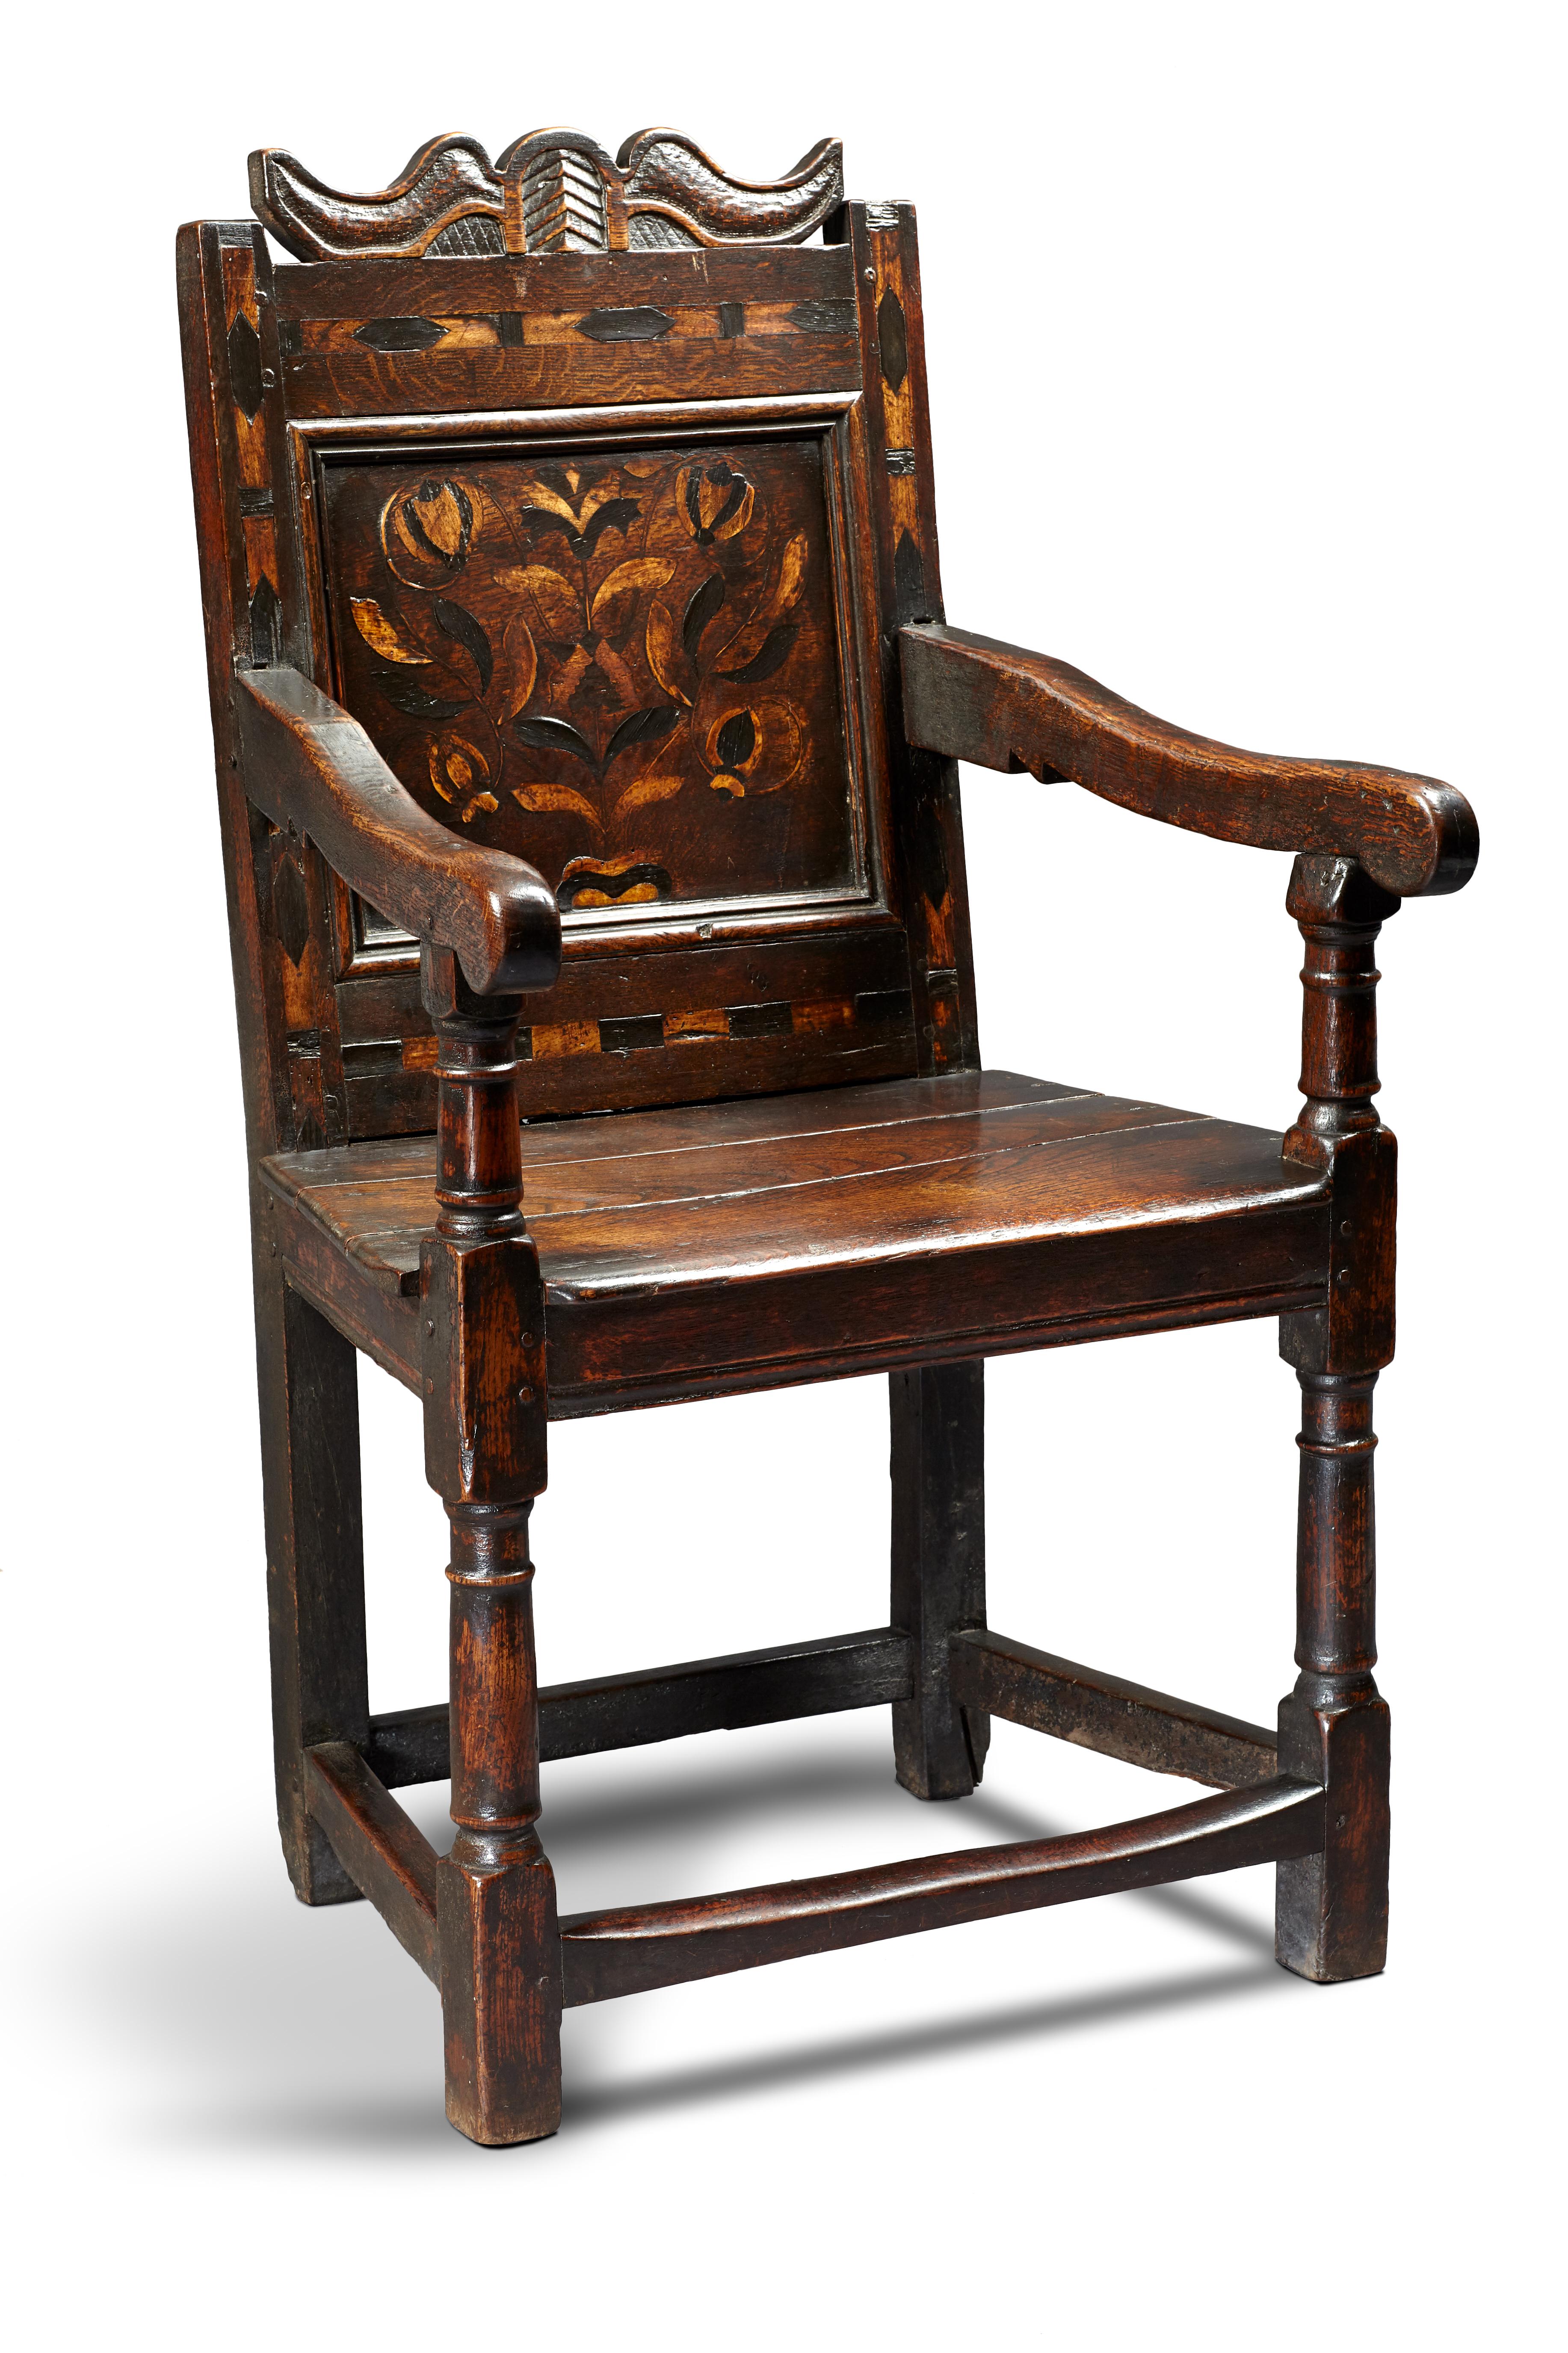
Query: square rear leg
938, 1468
315, 1558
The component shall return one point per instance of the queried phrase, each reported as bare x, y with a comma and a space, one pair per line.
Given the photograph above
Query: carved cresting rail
550, 192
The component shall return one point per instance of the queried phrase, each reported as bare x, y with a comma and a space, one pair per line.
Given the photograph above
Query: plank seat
732, 1245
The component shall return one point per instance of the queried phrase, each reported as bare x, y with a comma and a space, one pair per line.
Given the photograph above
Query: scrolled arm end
977, 699
309, 763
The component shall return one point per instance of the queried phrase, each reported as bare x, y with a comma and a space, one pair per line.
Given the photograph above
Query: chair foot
317, 1876
938, 1769
1332, 1909
500, 1991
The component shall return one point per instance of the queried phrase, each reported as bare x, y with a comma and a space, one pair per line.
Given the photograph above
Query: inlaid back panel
604, 541
622, 666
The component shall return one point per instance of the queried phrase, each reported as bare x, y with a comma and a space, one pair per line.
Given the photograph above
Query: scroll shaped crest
552, 192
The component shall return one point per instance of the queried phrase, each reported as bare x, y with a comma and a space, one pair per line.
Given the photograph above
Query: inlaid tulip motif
589, 642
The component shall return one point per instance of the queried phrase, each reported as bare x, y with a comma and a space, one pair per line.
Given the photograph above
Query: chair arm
310, 764
974, 699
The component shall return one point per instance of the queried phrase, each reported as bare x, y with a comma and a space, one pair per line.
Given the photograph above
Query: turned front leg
501, 1952
1331, 1910
485, 1453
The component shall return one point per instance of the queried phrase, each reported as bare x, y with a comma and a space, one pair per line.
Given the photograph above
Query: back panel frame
590, 446
681, 1003
721, 988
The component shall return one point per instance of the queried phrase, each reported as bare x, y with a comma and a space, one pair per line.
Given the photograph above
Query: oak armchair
585, 727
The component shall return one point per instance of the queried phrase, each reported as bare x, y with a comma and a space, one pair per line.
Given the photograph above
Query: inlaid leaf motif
291, 910
832, 318
556, 497
613, 515
642, 325
554, 608
516, 669
457, 767
700, 611
893, 341
717, 502
616, 599
544, 798
414, 334
754, 750
747, 643
792, 574
460, 774
438, 518
642, 727
666, 656
245, 367
609, 665
583, 525
543, 512
427, 529
551, 494
736, 740
465, 631
646, 790
404, 696
554, 735
380, 633
773, 655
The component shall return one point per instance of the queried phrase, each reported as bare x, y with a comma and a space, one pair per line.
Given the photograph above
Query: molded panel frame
836, 422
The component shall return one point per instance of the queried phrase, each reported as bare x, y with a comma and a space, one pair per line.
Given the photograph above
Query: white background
1245, 399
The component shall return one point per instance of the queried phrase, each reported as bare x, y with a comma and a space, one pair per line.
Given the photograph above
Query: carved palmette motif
552, 192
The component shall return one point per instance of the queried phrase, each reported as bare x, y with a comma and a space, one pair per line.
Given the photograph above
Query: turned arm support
308, 764
974, 699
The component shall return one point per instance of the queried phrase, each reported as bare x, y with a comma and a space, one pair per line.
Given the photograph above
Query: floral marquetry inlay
625, 669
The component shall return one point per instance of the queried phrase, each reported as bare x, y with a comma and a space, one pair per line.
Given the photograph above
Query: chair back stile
598, 499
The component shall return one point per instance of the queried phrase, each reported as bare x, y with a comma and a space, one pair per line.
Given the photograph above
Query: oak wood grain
697, 1252
568, 284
